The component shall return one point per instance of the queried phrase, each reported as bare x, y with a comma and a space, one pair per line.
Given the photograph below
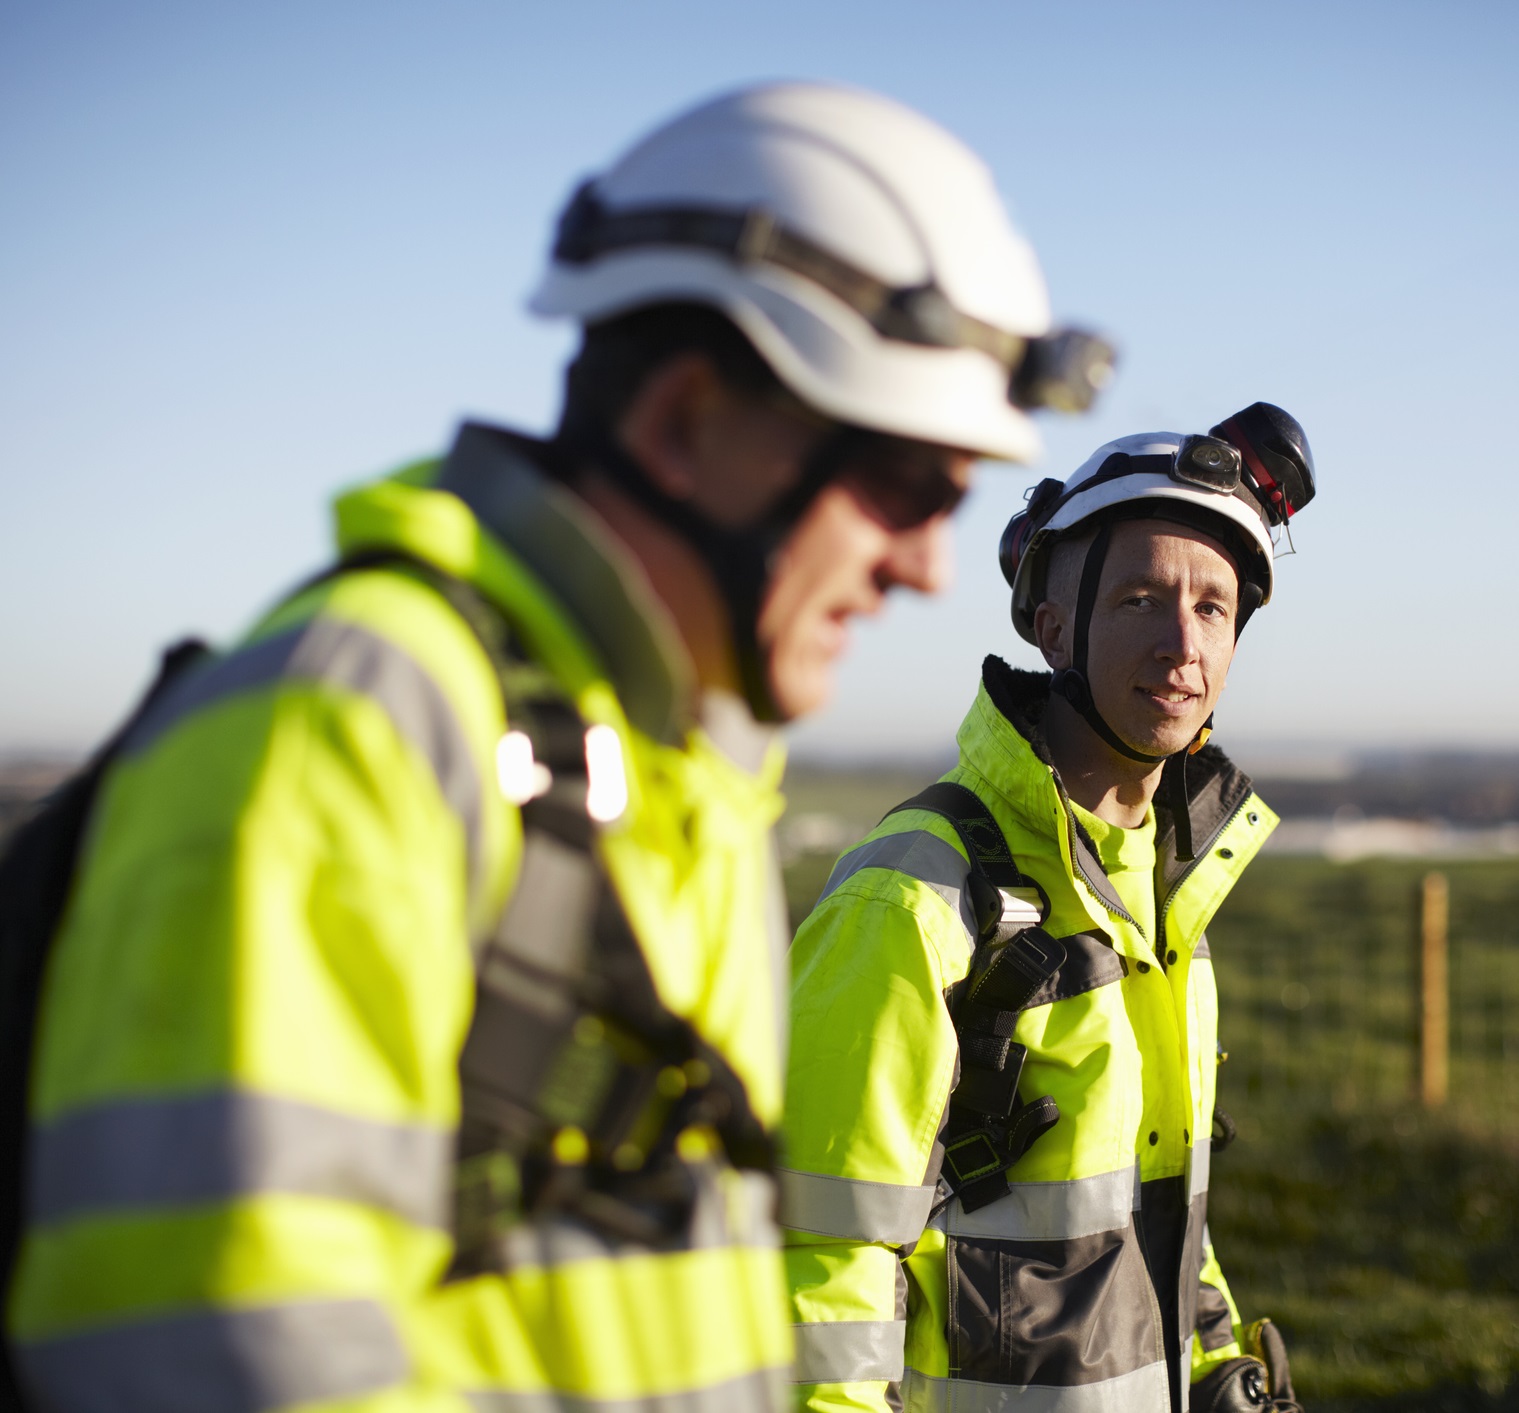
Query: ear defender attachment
1020, 529
1276, 457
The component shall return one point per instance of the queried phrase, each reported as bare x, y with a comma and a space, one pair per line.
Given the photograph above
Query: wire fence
1324, 992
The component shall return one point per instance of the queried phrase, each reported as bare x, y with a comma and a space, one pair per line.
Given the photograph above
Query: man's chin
800, 691
1168, 741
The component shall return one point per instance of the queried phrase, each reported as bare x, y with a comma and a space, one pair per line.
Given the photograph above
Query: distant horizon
1281, 759
253, 254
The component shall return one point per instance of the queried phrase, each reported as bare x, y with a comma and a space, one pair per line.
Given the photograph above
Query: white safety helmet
861, 248
1250, 474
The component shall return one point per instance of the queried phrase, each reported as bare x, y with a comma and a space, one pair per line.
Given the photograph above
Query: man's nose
922, 558
1179, 641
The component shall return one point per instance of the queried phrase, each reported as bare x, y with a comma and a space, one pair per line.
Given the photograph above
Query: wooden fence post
1434, 991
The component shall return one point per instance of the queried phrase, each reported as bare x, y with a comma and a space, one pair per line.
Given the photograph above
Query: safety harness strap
739, 558
989, 1128
577, 1081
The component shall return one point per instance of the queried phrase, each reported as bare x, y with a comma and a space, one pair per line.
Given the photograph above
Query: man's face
847, 552
1162, 633
881, 520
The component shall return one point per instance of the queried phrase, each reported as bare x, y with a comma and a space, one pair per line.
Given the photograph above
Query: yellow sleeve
873, 1057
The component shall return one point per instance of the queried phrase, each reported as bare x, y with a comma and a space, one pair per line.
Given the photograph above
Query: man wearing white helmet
1000, 1102
413, 1037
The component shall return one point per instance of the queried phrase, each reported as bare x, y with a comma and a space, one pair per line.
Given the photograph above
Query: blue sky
252, 253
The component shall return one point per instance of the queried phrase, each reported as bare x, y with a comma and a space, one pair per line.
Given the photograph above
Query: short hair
1061, 574
617, 355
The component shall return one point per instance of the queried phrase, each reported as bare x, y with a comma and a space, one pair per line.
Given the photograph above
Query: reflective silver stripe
853, 1210
330, 651
731, 1210
849, 1351
1186, 1364
1145, 1390
920, 855
1199, 1161
212, 1147
234, 1361
1050, 1211
764, 1391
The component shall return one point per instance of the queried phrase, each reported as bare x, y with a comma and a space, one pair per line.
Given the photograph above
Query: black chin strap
1173, 785
739, 558
1071, 683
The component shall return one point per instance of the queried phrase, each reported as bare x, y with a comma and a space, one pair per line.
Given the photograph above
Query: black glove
1235, 1386
1258, 1383
1264, 1341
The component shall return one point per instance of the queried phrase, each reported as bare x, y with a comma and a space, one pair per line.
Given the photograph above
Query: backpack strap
37, 868
1000, 892
989, 1127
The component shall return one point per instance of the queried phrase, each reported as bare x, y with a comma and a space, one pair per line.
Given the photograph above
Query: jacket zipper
1198, 856
1157, 1316
1070, 837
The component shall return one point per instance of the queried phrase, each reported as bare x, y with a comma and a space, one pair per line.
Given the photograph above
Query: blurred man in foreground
414, 1037
1001, 1088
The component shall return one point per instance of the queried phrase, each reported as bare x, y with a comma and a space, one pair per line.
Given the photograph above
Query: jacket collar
499, 475
1216, 787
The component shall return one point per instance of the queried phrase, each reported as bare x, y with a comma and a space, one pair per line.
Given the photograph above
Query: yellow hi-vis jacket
1091, 1287
246, 1087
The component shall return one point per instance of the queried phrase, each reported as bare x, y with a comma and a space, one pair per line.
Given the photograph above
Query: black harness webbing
989, 1127
739, 558
577, 1081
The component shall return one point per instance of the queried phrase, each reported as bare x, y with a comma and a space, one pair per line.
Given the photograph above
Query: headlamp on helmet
1240, 481
1064, 370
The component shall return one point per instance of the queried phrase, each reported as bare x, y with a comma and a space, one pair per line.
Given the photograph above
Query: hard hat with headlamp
1238, 484
862, 249
865, 254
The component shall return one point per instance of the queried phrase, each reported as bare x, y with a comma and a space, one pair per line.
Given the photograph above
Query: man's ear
662, 426
1052, 634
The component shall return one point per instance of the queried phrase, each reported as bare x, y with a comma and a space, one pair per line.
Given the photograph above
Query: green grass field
1383, 1238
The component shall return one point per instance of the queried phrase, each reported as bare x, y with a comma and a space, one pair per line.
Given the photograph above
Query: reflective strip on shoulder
1146, 1390
936, 864
852, 1209
849, 1351
1050, 1211
347, 655
764, 1391
732, 1209
236, 1361
145, 1153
